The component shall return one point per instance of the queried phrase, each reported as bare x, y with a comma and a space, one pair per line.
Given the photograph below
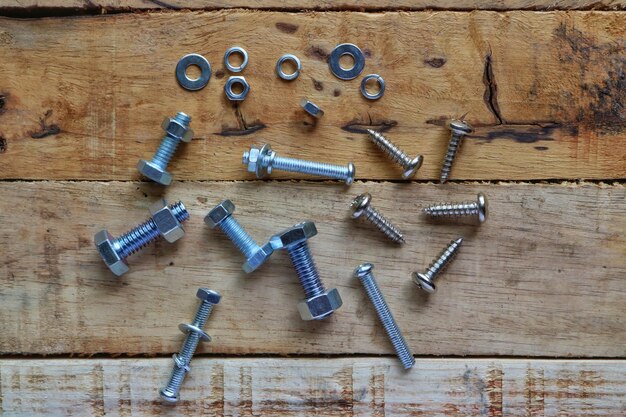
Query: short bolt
361, 206
195, 335
165, 221
459, 129
176, 130
222, 216
364, 273
425, 280
477, 208
410, 165
262, 161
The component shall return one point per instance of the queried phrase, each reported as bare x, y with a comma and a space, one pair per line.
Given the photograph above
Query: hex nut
211, 296
166, 222
153, 172
219, 213
321, 306
105, 244
259, 258
228, 88
311, 108
253, 159
294, 235
176, 130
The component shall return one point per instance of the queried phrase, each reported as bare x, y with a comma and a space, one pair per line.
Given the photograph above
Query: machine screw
262, 161
396, 154
195, 334
222, 216
477, 208
165, 221
364, 273
361, 205
176, 130
319, 303
425, 280
459, 129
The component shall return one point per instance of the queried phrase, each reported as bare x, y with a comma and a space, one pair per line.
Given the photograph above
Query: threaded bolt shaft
459, 129
237, 234
168, 145
306, 270
361, 206
410, 165
425, 280
364, 273
477, 208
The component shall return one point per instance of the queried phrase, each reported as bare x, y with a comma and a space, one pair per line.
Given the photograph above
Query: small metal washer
279, 67
181, 72
229, 52
355, 53
381, 86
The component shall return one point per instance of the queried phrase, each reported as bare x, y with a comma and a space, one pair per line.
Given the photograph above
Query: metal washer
229, 52
355, 53
279, 67
381, 86
181, 72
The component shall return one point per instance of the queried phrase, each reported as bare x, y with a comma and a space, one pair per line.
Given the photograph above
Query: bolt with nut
319, 303
262, 161
459, 129
477, 208
176, 130
165, 221
426, 280
194, 335
361, 206
410, 165
222, 216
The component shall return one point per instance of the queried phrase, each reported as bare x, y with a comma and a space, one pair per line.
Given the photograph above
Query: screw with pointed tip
459, 129
410, 165
425, 280
361, 205
364, 273
477, 208
195, 335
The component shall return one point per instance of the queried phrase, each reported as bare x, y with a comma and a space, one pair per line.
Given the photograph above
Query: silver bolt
319, 303
364, 273
222, 216
176, 130
361, 205
164, 221
262, 161
477, 208
425, 280
459, 129
195, 334
410, 165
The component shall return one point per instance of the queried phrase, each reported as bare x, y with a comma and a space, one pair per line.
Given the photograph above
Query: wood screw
361, 205
459, 129
477, 208
410, 165
425, 280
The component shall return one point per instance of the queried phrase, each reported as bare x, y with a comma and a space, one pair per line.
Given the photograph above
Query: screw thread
320, 169
386, 318
444, 258
452, 210
389, 148
304, 265
236, 233
168, 145
448, 160
383, 224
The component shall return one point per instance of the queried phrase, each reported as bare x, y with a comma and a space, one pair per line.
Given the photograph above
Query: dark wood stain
337, 92
238, 131
3, 102
3, 145
491, 89
287, 27
219, 74
435, 62
318, 85
317, 52
359, 126
45, 128
541, 148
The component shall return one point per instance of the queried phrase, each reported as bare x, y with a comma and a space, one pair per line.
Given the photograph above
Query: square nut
165, 221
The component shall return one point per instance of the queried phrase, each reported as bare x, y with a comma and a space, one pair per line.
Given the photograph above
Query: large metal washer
181, 72
355, 53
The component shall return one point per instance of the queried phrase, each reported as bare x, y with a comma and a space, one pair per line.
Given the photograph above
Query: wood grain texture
82, 98
320, 387
544, 276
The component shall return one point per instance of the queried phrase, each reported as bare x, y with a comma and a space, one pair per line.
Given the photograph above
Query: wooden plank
544, 276
321, 387
82, 98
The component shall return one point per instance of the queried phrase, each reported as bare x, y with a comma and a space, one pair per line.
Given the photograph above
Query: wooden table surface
530, 320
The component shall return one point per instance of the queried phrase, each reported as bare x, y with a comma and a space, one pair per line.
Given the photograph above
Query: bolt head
460, 127
177, 129
259, 258
104, 243
363, 270
219, 213
422, 281
208, 295
321, 306
482, 207
153, 172
412, 168
359, 204
167, 224
351, 173
299, 233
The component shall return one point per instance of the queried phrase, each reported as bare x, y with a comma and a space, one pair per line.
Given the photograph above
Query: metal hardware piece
459, 129
190, 83
230, 93
410, 165
165, 221
311, 108
222, 216
361, 205
319, 303
479, 208
346, 49
194, 335
176, 130
425, 280
381, 87
364, 273
235, 50
279, 67
262, 161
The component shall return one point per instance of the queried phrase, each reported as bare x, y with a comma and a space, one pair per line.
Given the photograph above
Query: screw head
359, 204
208, 295
104, 242
422, 281
460, 127
155, 173
363, 270
351, 173
168, 396
412, 167
219, 213
482, 207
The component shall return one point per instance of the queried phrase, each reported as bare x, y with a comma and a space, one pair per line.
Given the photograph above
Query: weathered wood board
544, 276
320, 387
83, 97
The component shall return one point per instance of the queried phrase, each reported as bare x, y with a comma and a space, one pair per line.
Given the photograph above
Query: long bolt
361, 205
410, 165
262, 161
364, 273
459, 129
477, 208
425, 280
195, 335
306, 269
